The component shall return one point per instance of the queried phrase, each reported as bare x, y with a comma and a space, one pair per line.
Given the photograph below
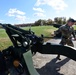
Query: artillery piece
25, 44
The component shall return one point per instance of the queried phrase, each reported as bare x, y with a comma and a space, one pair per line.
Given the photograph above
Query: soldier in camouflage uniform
66, 31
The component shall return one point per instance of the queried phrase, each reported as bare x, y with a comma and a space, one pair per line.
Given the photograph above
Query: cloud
17, 14
1, 20
40, 2
58, 5
38, 9
20, 18
38, 14
14, 11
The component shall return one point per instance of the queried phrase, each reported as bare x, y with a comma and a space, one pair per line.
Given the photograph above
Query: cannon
18, 57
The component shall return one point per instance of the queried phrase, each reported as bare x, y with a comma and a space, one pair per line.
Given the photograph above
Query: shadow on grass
52, 67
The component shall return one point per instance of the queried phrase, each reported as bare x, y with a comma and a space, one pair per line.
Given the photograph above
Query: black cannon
18, 58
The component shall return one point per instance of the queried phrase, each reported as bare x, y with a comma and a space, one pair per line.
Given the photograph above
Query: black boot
58, 57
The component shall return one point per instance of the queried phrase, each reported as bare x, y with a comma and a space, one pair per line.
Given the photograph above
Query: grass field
45, 30
74, 27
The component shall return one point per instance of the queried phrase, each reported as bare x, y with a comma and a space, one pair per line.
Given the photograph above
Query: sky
29, 11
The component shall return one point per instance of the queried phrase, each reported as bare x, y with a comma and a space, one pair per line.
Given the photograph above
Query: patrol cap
72, 20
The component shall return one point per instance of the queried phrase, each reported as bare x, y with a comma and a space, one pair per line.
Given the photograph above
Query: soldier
66, 31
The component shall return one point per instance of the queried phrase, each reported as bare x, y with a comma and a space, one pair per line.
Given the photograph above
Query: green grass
4, 43
45, 30
3, 33
74, 27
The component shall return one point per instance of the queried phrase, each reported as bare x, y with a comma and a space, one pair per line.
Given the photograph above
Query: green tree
40, 22
49, 22
64, 20
37, 23
56, 19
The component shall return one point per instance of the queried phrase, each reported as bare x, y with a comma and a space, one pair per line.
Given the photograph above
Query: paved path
56, 41
49, 65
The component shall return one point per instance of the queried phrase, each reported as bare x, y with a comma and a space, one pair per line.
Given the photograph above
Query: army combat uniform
66, 32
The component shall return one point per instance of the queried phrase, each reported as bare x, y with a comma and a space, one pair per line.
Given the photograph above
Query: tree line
57, 20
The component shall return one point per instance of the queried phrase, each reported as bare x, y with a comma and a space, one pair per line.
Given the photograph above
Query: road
49, 65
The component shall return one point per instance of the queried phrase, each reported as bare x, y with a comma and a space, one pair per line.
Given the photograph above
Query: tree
49, 22
59, 20
56, 20
37, 23
64, 20
40, 22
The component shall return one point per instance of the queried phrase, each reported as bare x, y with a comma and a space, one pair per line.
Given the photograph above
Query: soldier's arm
59, 30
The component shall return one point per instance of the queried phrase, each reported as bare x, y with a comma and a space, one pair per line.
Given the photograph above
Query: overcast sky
26, 11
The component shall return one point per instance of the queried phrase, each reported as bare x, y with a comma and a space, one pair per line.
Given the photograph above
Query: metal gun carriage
25, 44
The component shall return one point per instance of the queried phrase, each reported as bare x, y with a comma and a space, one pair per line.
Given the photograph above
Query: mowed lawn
45, 30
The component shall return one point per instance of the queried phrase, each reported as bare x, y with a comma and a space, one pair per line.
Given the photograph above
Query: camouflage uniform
66, 35
66, 32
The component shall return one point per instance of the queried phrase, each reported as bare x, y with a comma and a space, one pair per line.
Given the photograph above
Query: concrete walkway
49, 65
57, 40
